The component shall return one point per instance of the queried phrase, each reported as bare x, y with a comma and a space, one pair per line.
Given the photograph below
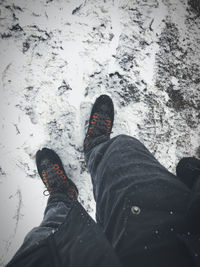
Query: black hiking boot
53, 175
188, 169
101, 119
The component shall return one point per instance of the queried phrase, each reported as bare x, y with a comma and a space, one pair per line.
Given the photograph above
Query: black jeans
139, 203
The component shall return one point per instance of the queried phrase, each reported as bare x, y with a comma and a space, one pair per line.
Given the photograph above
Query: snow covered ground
56, 57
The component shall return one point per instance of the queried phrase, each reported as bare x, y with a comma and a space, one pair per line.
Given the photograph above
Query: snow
56, 57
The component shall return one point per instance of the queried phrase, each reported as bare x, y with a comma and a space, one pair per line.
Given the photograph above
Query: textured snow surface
57, 56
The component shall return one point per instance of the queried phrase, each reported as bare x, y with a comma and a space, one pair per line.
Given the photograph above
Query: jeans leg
125, 173
58, 207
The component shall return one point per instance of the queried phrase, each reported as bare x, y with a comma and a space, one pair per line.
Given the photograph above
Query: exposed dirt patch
195, 4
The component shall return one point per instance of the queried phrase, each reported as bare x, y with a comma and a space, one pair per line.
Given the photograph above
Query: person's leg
56, 212
137, 198
62, 193
76, 234
120, 165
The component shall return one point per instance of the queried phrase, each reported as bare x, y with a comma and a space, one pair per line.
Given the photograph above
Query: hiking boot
53, 175
188, 169
101, 119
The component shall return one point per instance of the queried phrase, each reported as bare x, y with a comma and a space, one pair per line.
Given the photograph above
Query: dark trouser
58, 207
139, 203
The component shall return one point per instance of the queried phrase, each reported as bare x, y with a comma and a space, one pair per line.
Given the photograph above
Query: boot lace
55, 180
100, 124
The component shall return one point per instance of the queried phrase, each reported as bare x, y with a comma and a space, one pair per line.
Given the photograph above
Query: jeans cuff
98, 140
60, 197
